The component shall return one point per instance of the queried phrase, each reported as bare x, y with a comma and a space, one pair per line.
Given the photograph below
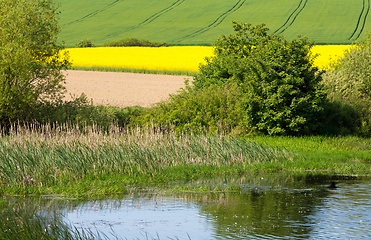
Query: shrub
280, 88
80, 111
85, 43
348, 81
133, 42
213, 109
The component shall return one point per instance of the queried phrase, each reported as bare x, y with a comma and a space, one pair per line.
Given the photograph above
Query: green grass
132, 70
191, 22
344, 154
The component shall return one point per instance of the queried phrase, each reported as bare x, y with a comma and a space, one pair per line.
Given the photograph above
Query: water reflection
269, 206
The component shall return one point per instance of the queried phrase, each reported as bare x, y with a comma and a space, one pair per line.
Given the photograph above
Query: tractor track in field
152, 18
92, 14
291, 19
218, 21
163, 11
361, 20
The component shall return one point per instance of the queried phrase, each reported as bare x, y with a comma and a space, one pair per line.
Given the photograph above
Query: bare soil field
122, 89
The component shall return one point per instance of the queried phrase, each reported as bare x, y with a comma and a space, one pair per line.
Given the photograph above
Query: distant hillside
195, 22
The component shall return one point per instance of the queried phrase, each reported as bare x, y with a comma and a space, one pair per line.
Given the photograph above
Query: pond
263, 206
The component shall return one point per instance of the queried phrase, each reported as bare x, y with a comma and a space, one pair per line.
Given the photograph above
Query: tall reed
48, 154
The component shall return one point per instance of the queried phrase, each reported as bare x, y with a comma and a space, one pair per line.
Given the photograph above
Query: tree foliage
280, 88
30, 58
348, 81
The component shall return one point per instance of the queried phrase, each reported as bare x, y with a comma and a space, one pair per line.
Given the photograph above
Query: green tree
280, 88
30, 58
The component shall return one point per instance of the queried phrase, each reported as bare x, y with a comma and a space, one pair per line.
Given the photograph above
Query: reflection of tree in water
271, 211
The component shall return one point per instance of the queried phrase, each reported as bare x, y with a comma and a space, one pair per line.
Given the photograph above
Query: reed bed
48, 155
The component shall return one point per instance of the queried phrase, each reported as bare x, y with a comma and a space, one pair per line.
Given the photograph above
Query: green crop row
191, 22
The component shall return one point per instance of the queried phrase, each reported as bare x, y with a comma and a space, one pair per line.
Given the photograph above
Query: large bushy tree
30, 58
280, 87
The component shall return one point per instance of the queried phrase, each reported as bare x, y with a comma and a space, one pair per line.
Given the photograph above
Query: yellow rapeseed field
328, 54
183, 59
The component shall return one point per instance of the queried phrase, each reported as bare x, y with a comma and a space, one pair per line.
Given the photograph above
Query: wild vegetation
179, 22
256, 83
58, 157
238, 116
349, 85
133, 42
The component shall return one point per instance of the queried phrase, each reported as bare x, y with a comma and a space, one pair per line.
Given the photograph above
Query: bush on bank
348, 82
256, 82
261, 83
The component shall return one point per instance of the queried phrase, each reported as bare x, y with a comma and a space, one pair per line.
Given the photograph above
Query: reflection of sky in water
344, 214
131, 218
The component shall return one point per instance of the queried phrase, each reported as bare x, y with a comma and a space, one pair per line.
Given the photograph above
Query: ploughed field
193, 22
122, 89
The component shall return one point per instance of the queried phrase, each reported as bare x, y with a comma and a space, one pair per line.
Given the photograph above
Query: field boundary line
364, 16
94, 12
218, 21
291, 19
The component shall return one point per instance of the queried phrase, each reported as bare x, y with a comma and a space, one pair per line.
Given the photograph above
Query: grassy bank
86, 162
320, 153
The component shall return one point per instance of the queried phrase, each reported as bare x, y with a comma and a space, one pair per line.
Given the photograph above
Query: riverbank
85, 163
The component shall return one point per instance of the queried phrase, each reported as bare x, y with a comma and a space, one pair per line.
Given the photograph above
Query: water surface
268, 206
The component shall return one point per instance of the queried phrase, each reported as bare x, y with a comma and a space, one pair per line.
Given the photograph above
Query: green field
193, 22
